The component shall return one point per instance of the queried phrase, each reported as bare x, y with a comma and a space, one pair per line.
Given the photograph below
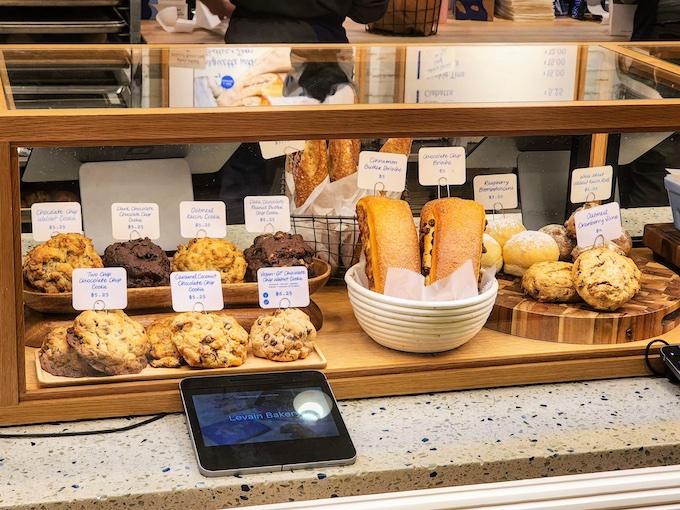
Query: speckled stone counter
403, 443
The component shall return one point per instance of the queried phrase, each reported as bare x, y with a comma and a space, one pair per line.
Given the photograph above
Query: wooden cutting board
664, 241
654, 311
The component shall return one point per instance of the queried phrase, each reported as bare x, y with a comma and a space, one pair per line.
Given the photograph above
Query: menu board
488, 74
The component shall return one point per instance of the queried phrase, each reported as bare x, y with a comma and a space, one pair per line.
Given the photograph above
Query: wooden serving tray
160, 297
253, 364
37, 324
664, 241
652, 312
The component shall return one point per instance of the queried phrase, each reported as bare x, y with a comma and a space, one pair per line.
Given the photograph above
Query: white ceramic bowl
418, 326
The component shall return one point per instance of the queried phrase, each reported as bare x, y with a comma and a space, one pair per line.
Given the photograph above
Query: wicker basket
409, 17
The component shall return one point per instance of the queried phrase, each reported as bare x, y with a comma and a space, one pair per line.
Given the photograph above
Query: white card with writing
603, 220
196, 291
49, 218
496, 189
99, 289
133, 220
281, 148
203, 219
267, 213
382, 171
441, 166
592, 183
283, 287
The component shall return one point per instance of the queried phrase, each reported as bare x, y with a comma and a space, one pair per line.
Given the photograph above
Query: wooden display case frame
357, 367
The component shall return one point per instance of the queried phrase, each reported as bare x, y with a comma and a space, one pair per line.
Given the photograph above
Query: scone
49, 266
57, 357
110, 341
606, 280
550, 282
570, 224
163, 351
564, 241
146, 263
529, 247
287, 335
278, 250
207, 253
210, 340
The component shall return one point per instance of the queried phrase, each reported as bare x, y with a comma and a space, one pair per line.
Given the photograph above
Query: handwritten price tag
490, 190
283, 287
49, 218
604, 220
263, 214
99, 289
272, 150
382, 171
441, 166
208, 218
593, 183
196, 291
133, 220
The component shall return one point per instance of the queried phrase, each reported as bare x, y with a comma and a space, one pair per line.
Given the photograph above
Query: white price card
265, 213
278, 148
283, 287
492, 190
49, 218
441, 166
133, 220
603, 220
196, 291
592, 183
99, 289
203, 219
382, 171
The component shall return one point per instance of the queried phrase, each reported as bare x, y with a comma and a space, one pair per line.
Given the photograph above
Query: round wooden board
654, 311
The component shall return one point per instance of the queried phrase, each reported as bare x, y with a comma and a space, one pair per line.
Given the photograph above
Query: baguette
343, 158
451, 231
310, 170
397, 146
389, 238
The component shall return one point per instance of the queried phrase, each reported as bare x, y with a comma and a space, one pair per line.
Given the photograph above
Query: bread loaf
343, 157
451, 231
389, 238
397, 146
310, 170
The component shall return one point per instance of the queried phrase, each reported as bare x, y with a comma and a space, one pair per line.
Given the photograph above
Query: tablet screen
264, 422
263, 416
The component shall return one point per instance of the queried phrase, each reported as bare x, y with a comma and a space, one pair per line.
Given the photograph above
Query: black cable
85, 433
647, 362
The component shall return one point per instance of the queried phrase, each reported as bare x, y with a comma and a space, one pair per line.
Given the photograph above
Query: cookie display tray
315, 360
37, 324
235, 294
654, 311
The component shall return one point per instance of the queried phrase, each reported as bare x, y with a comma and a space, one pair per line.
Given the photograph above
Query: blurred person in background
657, 20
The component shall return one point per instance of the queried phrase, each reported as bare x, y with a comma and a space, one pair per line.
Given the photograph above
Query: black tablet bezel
265, 456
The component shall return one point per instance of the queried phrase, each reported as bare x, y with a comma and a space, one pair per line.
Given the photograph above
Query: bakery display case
586, 106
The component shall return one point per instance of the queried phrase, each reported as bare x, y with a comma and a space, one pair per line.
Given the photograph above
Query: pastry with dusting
523, 250
502, 229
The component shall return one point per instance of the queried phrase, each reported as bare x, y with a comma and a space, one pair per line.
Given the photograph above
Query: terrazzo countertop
403, 443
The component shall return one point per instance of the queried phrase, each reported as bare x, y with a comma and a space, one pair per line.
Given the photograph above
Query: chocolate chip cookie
57, 357
163, 352
606, 280
211, 254
210, 340
286, 335
110, 341
49, 266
